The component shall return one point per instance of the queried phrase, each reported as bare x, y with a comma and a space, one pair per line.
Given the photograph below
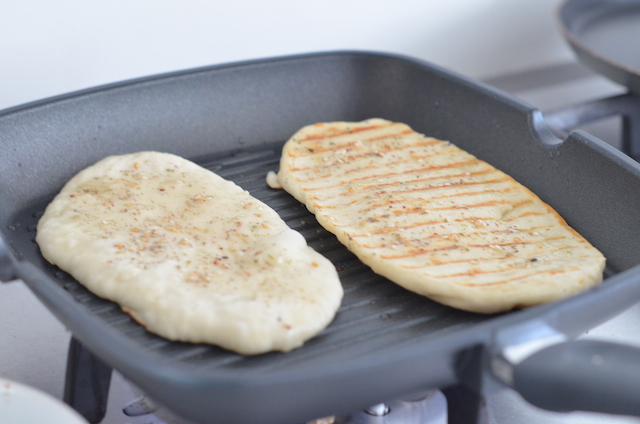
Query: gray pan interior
385, 342
605, 35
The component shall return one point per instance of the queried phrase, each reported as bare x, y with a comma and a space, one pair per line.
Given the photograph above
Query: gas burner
89, 380
425, 408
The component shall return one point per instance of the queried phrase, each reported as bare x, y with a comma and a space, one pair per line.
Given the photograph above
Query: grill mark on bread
411, 159
419, 252
317, 151
465, 207
495, 259
476, 271
384, 137
379, 176
419, 170
435, 187
529, 275
410, 199
420, 180
384, 230
436, 236
477, 221
351, 191
525, 215
471, 206
323, 136
376, 154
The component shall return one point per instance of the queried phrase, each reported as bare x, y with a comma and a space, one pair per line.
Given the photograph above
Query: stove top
33, 344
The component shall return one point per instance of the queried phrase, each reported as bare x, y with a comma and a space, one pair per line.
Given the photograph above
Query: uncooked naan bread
189, 255
435, 219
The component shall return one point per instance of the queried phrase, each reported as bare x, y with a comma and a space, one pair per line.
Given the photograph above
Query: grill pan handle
584, 375
555, 373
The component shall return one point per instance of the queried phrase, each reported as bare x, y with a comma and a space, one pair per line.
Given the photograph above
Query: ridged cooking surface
375, 313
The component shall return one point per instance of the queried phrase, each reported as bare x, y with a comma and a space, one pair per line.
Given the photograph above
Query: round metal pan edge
604, 35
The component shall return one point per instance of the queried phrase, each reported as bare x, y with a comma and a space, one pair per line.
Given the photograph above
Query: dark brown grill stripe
377, 153
349, 146
323, 136
461, 184
401, 133
508, 256
389, 174
437, 177
496, 283
447, 153
420, 170
477, 271
405, 200
437, 236
525, 215
420, 252
424, 189
387, 230
465, 206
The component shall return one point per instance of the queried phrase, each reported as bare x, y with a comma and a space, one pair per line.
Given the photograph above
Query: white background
53, 47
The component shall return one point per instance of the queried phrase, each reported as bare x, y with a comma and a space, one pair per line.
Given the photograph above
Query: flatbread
435, 219
189, 255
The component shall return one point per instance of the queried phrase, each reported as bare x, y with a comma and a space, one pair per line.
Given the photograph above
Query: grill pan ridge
385, 342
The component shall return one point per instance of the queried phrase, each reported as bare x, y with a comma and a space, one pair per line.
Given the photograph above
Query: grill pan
385, 342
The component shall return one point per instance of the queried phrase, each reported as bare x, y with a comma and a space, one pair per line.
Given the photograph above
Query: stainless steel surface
505, 406
378, 410
141, 406
518, 343
431, 408
33, 343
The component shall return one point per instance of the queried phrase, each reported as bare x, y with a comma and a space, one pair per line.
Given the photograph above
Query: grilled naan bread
189, 255
435, 219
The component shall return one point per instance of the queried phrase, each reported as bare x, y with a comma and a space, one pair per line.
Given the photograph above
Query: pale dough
191, 256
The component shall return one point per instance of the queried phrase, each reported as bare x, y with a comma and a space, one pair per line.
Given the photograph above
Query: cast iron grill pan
385, 342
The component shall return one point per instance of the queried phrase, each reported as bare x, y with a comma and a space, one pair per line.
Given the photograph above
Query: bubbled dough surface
189, 255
